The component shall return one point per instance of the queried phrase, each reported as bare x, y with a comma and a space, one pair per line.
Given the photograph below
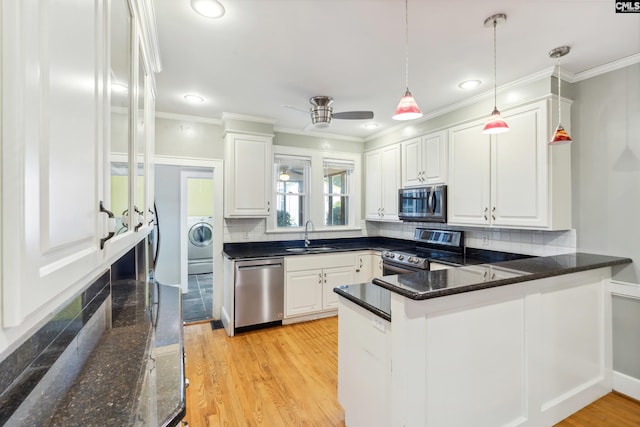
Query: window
337, 184
291, 188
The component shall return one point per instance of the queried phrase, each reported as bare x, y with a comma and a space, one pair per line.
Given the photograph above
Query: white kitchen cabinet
368, 265
424, 160
310, 279
53, 117
56, 115
247, 175
382, 182
513, 179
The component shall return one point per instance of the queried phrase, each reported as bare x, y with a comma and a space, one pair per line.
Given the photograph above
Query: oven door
389, 268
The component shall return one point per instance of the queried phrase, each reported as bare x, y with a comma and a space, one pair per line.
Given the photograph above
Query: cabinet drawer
309, 262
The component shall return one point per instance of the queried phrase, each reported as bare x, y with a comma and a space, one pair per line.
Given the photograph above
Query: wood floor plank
288, 376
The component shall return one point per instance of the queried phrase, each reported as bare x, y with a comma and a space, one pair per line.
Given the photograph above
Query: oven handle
395, 269
431, 201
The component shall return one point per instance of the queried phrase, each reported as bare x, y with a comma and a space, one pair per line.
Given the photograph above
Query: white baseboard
226, 321
626, 385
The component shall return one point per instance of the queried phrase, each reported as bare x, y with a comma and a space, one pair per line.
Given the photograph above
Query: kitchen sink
312, 249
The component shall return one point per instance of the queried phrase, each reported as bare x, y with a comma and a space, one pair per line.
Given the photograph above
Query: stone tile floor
197, 304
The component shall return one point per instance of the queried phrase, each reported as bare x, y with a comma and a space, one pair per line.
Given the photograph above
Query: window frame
315, 196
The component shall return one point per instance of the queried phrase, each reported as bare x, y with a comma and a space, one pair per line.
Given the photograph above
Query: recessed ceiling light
194, 98
469, 84
208, 8
370, 125
118, 87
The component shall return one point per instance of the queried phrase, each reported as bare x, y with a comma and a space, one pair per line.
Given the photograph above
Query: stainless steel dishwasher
259, 292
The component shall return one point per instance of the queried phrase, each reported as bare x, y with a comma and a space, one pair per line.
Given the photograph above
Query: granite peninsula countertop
440, 283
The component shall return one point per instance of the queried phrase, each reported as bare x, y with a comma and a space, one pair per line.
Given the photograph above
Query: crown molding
186, 118
319, 134
246, 118
606, 68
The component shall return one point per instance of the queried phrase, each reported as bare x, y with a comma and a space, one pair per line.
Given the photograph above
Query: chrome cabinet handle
485, 214
493, 213
268, 206
140, 216
111, 219
319, 277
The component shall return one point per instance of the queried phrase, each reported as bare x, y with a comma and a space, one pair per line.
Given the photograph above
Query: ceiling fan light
495, 124
208, 8
284, 176
560, 136
407, 108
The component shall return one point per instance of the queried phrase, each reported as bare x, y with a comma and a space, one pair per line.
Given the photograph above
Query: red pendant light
560, 136
407, 107
495, 124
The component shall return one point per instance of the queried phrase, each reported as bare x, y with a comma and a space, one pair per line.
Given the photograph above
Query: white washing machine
200, 235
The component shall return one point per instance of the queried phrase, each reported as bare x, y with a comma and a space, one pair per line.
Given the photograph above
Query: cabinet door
469, 175
248, 169
333, 277
363, 268
412, 163
53, 133
390, 181
519, 177
303, 292
434, 158
376, 264
373, 179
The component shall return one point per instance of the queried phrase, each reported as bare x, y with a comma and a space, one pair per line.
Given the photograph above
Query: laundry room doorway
199, 232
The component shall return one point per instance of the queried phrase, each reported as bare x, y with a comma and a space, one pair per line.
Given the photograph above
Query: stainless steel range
444, 246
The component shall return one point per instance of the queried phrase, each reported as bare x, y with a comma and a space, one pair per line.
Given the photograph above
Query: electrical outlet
485, 240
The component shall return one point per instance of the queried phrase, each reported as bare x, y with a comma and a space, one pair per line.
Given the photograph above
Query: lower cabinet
364, 357
310, 279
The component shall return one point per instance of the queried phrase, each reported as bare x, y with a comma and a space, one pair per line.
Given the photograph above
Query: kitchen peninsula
519, 343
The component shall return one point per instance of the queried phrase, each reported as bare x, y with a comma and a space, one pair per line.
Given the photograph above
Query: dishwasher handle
259, 266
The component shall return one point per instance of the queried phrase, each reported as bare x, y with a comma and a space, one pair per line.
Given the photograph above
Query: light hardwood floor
287, 376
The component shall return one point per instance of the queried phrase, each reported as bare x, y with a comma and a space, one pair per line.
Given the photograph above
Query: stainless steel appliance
444, 246
259, 292
424, 204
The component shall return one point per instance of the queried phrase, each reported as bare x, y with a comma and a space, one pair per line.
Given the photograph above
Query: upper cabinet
247, 175
382, 182
57, 112
424, 160
53, 116
514, 179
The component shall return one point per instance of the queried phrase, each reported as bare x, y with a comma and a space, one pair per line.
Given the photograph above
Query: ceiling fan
322, 112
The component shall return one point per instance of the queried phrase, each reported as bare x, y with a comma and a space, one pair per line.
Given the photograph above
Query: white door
469, 175
335, 277
52, 171
303, 292
519, 178
412, 165
373, 180
435, 158
390, 181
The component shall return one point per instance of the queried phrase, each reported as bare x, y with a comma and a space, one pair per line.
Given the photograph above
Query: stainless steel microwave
424, 204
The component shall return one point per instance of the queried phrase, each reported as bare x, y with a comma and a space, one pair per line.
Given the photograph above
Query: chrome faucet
307, 242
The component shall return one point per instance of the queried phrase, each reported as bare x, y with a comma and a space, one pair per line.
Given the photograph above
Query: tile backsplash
531, 242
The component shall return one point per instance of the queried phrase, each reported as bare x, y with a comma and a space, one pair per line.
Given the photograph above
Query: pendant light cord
559, 94
406, 44
495, 66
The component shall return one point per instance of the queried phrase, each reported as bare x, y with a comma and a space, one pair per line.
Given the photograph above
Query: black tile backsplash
21, 370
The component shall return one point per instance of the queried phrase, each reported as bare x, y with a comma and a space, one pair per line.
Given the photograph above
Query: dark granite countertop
369, 296
433, 284
117, 386
246, 250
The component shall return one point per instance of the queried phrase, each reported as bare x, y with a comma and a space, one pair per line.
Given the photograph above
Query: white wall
606, 191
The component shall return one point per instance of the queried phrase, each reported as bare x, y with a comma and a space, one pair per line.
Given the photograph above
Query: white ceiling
264, 54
